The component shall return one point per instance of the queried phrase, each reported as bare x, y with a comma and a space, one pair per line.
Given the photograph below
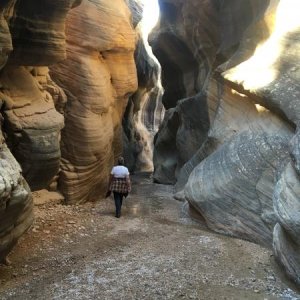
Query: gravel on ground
154, 251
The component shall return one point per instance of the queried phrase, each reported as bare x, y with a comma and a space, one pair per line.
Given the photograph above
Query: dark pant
118, 202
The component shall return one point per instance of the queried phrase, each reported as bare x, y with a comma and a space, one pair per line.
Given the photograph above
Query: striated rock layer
276, 86
38, 31
232, 187
193, 37
98, 77
31, 38
241, 173
31, 123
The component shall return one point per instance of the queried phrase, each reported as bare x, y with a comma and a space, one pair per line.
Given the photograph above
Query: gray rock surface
286, 241
277, 88
253, 111
182, 132
192, 39
15, 201
232, 188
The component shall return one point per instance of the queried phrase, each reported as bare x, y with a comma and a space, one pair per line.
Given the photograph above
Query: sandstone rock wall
243, 175
31, 38
98, 76
31, 123
38, 31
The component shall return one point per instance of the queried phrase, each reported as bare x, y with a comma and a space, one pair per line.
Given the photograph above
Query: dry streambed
154, 251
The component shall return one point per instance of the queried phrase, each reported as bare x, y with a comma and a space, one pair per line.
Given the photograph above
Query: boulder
16, 214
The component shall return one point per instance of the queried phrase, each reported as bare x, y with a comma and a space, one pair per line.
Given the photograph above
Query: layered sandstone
243, 176
98, 76
31, 39
38, 31
32, 124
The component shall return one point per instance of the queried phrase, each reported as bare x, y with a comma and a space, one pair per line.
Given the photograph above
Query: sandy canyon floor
154, 251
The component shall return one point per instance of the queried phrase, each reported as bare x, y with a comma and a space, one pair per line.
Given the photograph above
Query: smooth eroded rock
32, 124
98, 77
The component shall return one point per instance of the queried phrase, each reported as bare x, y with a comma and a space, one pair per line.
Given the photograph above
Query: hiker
119, 184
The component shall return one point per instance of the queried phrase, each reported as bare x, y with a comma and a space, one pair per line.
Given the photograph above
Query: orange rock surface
98, 77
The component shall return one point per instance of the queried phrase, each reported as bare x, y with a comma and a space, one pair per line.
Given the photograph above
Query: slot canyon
202, 99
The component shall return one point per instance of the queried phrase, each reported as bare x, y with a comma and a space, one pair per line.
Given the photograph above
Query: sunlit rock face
242, 57
193, 37
143, 113
98, 77
32, 37
271, 75
137, 140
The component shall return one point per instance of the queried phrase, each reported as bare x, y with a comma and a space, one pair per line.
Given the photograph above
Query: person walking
119, 184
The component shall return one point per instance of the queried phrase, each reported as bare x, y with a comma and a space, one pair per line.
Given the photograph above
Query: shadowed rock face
281, 94
194, 36
142, 109
234, 174
185, 127
100, 47
247, 162
15, 201
29, 122
286, 232
38, 31
5, 37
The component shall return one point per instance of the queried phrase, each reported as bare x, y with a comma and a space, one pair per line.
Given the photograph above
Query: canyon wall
230, 137
230, 70
144, 111
31, 39
101, 42
66, 127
